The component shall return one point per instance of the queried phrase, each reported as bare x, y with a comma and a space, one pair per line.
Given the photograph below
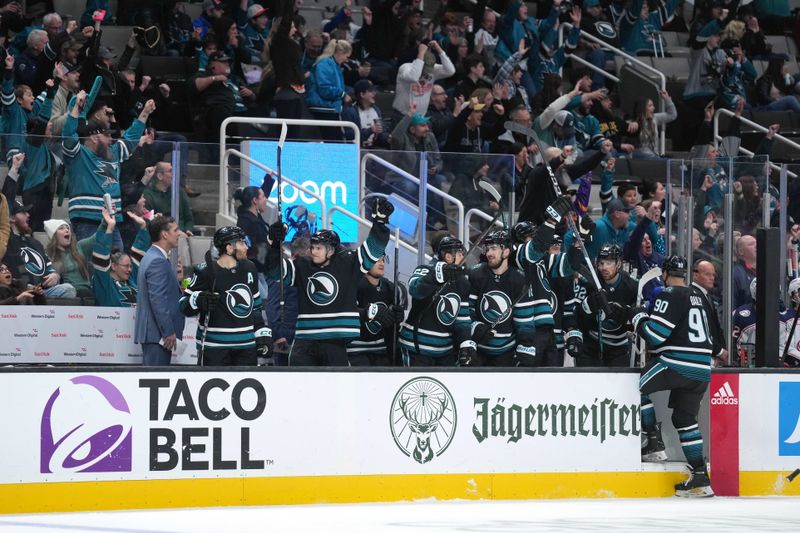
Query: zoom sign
330, 171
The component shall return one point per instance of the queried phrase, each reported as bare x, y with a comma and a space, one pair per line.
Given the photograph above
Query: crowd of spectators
79, 122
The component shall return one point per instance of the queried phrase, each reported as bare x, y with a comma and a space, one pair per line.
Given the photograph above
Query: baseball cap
565, 120
614, 206
93, 127
105, 53
418, 119
52, 225
590, 3
362, 86
208, 4
17, 207
255, 11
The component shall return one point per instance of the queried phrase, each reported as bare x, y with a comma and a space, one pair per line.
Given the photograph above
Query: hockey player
744, 327
327, 282
605, 337
437, 329
231, 330
792, 358
677, 333
380, 315
114, 280
532, 256
501, 307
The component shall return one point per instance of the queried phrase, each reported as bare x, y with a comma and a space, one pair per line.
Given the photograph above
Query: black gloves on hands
618, 313
382, 210
207, 301
380, 313
447, 273
574, 340
559, 208
399, 313
467, 354
264, 346
586, 229
277, 234
482, 332
638, 316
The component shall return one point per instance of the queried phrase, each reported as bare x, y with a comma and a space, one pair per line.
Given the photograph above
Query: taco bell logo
86, 427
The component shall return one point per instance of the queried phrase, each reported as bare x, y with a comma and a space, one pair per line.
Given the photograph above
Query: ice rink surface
640, 515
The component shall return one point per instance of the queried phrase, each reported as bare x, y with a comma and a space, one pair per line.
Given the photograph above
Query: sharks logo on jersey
239, 300
109, 171
447, 308
322, 288
495, 307
35, 264
605, 29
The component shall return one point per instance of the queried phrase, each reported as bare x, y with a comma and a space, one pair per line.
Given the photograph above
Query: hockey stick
638, 344
395, 297
281, 140
518, 128
210, 262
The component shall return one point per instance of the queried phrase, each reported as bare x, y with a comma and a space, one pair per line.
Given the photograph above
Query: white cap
52, 225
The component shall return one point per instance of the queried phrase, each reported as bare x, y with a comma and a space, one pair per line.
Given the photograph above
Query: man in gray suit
159, 322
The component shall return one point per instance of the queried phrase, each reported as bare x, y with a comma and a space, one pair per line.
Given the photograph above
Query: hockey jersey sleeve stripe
652, 338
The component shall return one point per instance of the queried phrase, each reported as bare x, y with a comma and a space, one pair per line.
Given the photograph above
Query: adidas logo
725, 396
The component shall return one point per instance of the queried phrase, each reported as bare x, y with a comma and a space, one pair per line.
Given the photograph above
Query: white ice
640, 515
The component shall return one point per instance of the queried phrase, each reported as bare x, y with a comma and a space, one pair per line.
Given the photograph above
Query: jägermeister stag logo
423, 419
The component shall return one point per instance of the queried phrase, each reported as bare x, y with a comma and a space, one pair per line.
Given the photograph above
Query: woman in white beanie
70, 258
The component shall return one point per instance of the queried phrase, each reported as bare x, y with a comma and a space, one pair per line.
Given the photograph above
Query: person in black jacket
775, 88
253, 202
14, 292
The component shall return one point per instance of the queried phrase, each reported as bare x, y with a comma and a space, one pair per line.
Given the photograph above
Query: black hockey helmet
448, 244
610, 252
228, 235
675, 265
500, 237
326, 237
522, 230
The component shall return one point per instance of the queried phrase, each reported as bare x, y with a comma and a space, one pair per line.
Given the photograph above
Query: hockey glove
399, 313
638, 316
618, 313
447, 273
383, 208
207, 301
482, 332
574, 340
381, 314
467, 354
596, 303
586, 229
264, 342
559, 208
277, 234
526, 356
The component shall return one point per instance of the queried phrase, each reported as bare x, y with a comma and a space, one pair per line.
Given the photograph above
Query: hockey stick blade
646, 278
490, 190
282, 138
513, 127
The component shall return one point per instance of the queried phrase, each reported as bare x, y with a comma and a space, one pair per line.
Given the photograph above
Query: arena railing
778, 137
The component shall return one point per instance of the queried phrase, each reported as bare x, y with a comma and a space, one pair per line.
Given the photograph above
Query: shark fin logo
34, 262
239, 300
495, 307
322, 288
423, 419
605, 29
447, 308
86, 427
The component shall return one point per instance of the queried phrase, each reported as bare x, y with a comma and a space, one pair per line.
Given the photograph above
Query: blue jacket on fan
325, 86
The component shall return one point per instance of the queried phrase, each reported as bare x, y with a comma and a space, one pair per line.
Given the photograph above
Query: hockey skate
654, 450
697, 486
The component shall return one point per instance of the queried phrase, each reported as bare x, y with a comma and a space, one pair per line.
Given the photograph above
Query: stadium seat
72, 8
676, 68
116, 37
